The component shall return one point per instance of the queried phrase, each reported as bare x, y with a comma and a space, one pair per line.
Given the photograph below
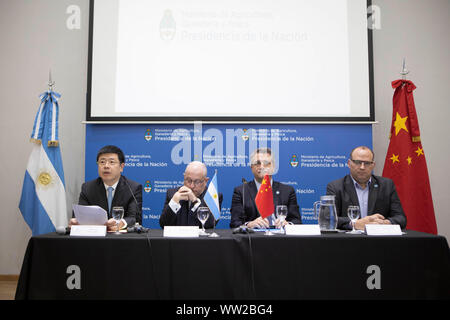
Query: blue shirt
363, 196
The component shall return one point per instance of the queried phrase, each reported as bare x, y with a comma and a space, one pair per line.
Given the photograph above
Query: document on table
90, 215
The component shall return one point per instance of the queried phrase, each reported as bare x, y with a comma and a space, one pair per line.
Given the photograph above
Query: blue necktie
110, 190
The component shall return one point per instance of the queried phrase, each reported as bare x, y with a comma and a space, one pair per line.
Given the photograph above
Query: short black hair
112, 149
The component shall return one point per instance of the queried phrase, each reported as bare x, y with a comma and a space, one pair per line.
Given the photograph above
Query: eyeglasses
195, 182
360, 162
259, 163
103, 162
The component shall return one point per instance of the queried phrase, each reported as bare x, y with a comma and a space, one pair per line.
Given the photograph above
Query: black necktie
184, 212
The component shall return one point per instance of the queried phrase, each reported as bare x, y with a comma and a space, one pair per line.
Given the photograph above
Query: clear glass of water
353, 214
203, 215
117, 215
281, 211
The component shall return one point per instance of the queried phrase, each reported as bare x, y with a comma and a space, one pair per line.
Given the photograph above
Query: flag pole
50, 83
404, 71
214, 234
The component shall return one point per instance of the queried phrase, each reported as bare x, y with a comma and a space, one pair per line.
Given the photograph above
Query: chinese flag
264, 198
405, 161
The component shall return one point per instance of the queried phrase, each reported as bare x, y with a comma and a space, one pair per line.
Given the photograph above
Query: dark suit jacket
383, 199
94, 193
282, 195
185, 216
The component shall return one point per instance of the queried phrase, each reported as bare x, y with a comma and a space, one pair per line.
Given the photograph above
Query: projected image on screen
234, 59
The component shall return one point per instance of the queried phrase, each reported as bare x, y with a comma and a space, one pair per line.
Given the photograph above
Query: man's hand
372, 219
73, 222
280, 225
111, 225
258, 223
184, 193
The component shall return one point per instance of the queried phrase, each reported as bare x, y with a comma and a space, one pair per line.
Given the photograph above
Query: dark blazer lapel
101, 194
276, 193
202, 197
349, 188
252, 190
120, 191
373, 194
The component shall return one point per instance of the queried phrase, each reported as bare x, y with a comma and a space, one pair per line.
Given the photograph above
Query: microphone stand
244, 183
139, 211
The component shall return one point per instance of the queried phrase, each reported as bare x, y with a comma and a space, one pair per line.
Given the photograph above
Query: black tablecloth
149, 266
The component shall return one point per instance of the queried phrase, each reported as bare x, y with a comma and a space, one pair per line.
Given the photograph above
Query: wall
34, 38
418, 31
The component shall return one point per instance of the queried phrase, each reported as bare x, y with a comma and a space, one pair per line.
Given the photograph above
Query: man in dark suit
112, 189
243, 206
181, 205
376, 196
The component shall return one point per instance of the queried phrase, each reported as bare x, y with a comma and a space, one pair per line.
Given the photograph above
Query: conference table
236, 267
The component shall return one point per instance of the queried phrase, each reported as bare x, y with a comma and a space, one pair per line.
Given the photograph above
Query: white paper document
90, 215
88, 231
181, 231
383, 230
302, 230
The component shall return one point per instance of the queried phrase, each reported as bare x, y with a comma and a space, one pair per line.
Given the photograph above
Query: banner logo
167, 26
147, 186
148, 135
294, 161
245, 135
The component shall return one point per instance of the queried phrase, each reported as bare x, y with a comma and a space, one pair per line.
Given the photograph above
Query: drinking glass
271, 223
203, 215
353, 215
281, 214
117, 215
213, 234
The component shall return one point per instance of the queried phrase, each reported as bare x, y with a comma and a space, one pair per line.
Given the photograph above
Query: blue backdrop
307, 157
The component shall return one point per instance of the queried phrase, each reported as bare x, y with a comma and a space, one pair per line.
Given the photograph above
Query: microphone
243, 230
138, 229
62, 230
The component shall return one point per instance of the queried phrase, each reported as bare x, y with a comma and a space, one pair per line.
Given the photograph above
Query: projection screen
228, 61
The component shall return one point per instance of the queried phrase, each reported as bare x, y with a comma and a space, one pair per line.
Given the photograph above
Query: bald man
180, 207
376, 196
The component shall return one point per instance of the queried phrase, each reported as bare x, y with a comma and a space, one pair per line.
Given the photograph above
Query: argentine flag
43, 200
212, 197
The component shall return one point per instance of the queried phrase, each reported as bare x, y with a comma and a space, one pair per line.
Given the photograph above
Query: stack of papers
90, 215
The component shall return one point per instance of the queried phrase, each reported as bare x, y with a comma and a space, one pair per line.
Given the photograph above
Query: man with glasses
112, 189
376, 196
243, 206
180, 207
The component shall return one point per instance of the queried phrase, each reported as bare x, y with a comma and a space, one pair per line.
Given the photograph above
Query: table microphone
243, 230
62, 230
138, 229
